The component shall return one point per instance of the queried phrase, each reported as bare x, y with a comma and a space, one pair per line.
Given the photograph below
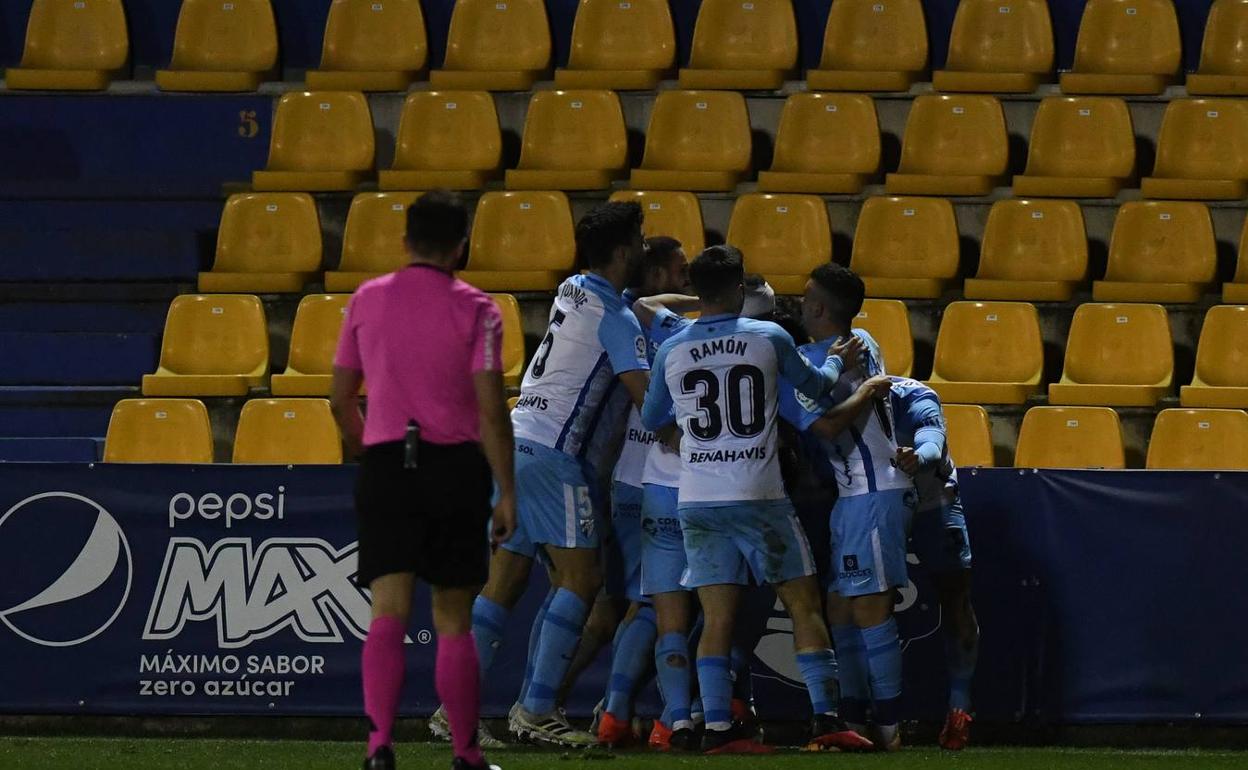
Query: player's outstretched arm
839, 418
809, 380
498, 444
647, 308
344, 401
927, 421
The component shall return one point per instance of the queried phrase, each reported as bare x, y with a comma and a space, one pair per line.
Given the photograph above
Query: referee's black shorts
432, 520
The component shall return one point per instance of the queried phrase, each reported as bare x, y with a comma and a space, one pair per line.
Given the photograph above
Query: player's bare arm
647, 308
838, 419
345, 403
498, 444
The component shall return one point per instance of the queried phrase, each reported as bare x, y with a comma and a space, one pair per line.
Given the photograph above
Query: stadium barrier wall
221, 590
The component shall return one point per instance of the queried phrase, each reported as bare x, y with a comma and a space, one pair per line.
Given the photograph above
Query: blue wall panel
130, 147
77, 359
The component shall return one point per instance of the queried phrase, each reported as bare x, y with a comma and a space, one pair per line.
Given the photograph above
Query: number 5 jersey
721, 376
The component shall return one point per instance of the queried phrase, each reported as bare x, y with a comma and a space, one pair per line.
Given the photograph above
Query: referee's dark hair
604, 229
844, 289
716, 272
436, 223
659, 251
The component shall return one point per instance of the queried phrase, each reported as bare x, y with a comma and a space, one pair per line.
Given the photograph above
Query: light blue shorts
554, 503
727, 543
663, 560
869, 542
622, 549
940, 540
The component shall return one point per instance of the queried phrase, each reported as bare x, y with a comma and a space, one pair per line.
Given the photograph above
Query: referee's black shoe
462, 764
382, 759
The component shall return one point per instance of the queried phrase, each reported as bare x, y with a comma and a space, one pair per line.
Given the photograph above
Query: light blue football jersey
917, 407
570, 398
719, 377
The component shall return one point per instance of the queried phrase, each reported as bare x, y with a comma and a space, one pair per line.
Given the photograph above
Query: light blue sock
715, 681
818, 669
561, 632
671, 658
535, 633
961, 662
634, 649
742, 677
884, 662
853, 674
488, 621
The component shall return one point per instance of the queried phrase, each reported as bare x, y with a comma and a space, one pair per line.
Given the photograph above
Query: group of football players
666, 426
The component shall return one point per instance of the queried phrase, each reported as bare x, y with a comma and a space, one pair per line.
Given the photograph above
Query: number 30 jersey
720, 375
593, 337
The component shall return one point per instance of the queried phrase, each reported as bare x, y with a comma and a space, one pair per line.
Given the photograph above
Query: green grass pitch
195, 754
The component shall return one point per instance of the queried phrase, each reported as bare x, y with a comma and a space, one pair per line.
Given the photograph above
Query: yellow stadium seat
321, 141
870, 45
1125, 47
521, 241
1221, 361
287, 431
268, 243
673, 214
313, 340
783, 237
826, 143
372, 240
221, 46
998, 46
906, 247
159, 430
1223, 57
371, 46
746, 45
1081, 147
988, 353
446, 139
1070, 437
511, 402
513, 339
1116, 355
1199, 440
888, 322
1034, 251
1161, 251
1202, 151
953, 145
71, 45
214, 345
624, 46
495, 46
969, 435
573, 140
697, 140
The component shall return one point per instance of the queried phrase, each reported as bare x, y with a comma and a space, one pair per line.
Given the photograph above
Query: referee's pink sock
459, 686
383, 668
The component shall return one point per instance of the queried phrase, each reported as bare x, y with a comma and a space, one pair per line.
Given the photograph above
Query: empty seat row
288, 431
1091, 437
1160, 251
1116, 354
1124, 46
217, 345
825, 143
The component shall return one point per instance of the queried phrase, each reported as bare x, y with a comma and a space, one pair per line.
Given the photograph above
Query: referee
436, 439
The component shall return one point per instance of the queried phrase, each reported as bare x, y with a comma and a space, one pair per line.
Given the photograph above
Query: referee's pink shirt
418, 336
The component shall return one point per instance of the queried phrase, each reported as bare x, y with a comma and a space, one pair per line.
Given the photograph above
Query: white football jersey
719, 376
571, 383
863, 459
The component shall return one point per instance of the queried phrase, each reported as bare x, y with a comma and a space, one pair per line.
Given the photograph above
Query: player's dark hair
659, 251
844, 288
604, 229
716, 272
436, 223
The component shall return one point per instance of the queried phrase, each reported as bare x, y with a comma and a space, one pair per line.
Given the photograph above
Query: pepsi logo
81, 580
